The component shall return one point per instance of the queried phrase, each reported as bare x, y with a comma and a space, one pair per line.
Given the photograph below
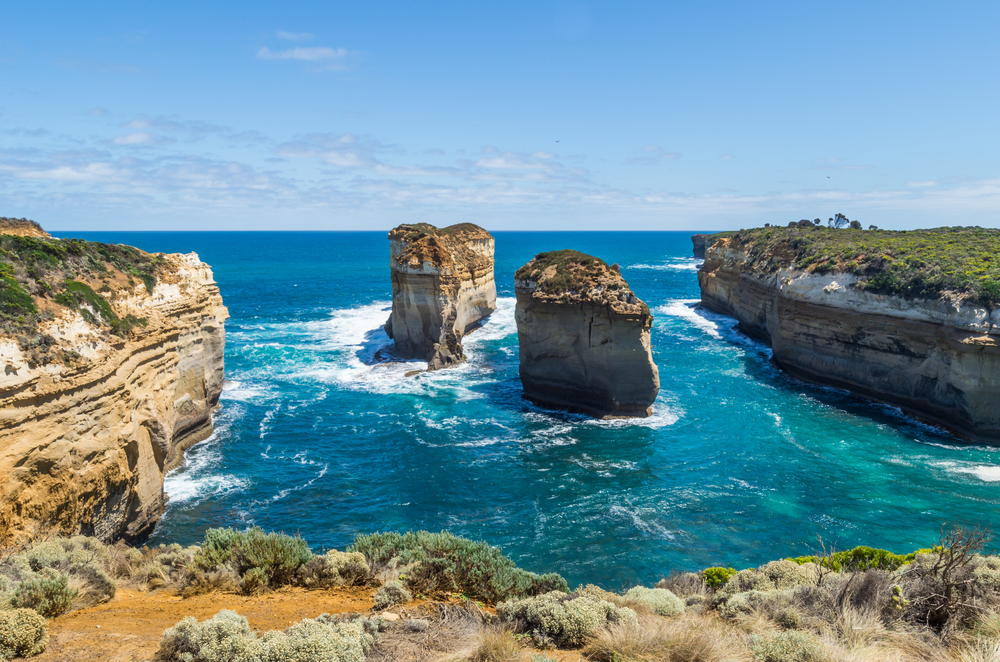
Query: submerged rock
442, 287
583, 337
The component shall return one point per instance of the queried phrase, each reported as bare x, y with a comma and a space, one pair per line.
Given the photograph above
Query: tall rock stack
583, 337
442, 287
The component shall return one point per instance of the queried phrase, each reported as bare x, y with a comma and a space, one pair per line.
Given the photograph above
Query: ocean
737, 466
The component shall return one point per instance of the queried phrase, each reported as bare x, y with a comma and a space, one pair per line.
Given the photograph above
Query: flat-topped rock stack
583, 337
442, 287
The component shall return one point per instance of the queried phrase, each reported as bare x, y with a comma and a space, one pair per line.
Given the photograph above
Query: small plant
560, 619
659, 600
390, 595
23, 633
717, 577
262, 559
48, 593
788, 646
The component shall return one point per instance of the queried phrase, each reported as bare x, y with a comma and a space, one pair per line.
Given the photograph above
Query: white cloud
921, 184
294, 36
329, 58
135, 138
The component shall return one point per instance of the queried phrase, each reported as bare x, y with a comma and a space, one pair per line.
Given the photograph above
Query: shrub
789, 646
23, 633
334, 569
770, 576
559, 619
48, 593
661, 641
227, 638
859, 558
262, 559
684, 583
221, 579
436, 560
390, 595
660, 601
717, 577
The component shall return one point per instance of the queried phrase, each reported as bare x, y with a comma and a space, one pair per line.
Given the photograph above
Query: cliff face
583, 338
937, 359
442, 286
85, 441
701, 242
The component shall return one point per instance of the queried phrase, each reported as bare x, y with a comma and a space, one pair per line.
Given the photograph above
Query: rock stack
583, 337
442, 287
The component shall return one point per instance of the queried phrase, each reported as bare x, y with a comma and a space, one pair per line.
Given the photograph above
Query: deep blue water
737, 466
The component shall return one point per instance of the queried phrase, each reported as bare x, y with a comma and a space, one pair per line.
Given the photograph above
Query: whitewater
738, 464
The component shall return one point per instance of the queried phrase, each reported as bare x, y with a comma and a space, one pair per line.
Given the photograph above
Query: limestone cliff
936, 356
442, 287
701, 242
104, 384
583, 337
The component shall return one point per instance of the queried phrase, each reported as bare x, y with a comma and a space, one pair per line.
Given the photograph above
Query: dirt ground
128, 628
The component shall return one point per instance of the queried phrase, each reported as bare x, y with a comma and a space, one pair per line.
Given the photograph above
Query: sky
512, 115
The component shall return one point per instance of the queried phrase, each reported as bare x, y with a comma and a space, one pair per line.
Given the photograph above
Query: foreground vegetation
930, 264
863, 604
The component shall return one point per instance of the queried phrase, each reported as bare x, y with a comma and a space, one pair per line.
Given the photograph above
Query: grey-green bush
437, 562
23, 633
660, 601
334, 569
390, 595
227, 638
261, 559
47, 593
559, 619
789, 646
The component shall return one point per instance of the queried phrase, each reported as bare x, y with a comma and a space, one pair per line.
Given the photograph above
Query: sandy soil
128, 628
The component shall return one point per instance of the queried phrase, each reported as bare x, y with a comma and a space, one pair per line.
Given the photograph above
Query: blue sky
512, 115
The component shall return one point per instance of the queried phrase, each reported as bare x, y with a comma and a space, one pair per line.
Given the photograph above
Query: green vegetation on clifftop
928, 264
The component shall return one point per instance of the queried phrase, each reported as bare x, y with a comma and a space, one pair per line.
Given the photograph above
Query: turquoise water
737, 466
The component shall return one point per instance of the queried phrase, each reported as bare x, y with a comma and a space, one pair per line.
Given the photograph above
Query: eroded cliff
832, 308
105, 382
583, 337
442, 287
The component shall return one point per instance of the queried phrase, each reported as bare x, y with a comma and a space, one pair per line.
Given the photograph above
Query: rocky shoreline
938, 359
91, 419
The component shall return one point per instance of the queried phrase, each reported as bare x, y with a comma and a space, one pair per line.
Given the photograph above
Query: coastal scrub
962, 262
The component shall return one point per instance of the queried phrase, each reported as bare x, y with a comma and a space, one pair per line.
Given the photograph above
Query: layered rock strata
442, 287
583, 337
85, 442
938, 360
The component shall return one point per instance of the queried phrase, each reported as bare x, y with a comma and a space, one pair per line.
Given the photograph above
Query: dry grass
497, 645
688, 639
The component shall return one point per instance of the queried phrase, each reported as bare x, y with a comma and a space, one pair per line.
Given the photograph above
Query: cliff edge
112, 361
442, 287
583, 337
905, 318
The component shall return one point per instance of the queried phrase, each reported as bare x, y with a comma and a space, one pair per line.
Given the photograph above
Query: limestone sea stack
442, 287
583, 337
701, 243
112, 362
907, 318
